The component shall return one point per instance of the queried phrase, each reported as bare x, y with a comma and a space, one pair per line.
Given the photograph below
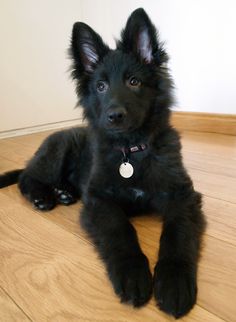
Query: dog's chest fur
139, 190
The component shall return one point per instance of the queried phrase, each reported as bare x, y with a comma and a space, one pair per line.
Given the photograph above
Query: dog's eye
133, 81
102, 86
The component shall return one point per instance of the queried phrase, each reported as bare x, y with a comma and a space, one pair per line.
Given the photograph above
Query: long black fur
9, 178
126, 94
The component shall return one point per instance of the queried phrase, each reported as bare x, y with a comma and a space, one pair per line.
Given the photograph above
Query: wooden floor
49, 270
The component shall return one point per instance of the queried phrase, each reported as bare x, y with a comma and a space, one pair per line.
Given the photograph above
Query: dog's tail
9, 178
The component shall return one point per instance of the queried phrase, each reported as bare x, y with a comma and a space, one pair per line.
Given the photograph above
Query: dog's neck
120, 141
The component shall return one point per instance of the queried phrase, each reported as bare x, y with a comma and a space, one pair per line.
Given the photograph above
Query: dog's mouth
121, 129
118, 130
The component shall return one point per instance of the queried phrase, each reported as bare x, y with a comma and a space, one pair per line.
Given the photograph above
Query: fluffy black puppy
125, 162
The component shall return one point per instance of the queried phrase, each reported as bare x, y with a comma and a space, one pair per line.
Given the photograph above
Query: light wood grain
51, 272
9, 311
14, 152
216, 145
217, 279
57, 272
205, 122
62, 276
214, 185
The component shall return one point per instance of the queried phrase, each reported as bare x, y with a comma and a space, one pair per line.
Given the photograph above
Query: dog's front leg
175, 286
117, 243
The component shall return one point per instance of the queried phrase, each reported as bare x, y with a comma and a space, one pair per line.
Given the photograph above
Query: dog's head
127, 88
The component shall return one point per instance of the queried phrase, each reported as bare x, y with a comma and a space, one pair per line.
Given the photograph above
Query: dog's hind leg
44, 181
39, 194
45, 196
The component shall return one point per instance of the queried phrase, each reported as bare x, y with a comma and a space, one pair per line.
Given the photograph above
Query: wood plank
15, 152
7, 165
200, 315
66, 217
57, 272
214, 165
32, 141
204, 122
210, 144
217, 279
46, 267
221, 219
216, 186
9, 311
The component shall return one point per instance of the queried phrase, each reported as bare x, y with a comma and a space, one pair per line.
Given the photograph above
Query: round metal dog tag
126, 170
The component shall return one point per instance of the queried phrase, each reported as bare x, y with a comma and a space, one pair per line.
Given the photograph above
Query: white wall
35, 87
34, 84
200, 39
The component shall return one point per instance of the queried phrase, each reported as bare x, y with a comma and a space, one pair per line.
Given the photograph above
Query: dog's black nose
116, 115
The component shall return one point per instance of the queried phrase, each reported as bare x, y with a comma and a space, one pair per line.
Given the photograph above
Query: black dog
127, 161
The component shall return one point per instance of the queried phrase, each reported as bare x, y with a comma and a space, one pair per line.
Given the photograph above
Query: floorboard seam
4, 291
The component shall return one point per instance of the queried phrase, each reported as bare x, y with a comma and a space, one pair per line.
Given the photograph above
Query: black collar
132, 149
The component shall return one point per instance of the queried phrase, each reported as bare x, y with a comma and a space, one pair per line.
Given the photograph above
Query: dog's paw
175, 287
45, 203
132, 280
64, 197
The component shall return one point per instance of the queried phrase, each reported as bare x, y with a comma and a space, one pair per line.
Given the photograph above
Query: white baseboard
40, 128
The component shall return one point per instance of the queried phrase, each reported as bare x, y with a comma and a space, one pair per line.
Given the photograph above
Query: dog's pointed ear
87, 48
141, 38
